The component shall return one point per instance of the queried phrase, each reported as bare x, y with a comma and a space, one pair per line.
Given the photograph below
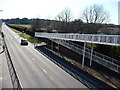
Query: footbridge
108, 62
113, 40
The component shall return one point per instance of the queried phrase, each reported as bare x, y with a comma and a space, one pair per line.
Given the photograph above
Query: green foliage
16, 31
27, 26
28, 37
17, 21
89, 45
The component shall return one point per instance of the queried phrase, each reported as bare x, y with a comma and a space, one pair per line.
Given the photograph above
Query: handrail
112, 60
113, 40
96, 56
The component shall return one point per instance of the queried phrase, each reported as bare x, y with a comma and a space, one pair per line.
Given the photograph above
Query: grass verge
27, 26
16, 31
29, 38
26, 36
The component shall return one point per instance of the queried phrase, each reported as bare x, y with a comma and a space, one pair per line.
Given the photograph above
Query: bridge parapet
113, 40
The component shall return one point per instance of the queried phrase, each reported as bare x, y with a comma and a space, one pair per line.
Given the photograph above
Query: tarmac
5, 80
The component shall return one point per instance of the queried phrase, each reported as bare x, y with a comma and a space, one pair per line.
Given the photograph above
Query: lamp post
1, 22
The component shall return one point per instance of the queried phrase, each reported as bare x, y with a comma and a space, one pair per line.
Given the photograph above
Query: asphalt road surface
34, 70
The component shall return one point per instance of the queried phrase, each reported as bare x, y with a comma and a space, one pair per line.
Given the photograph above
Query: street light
1, 21
1, 10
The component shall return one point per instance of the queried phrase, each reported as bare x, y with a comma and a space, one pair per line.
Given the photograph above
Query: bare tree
64, 19
36, 25
95, 14
65, 15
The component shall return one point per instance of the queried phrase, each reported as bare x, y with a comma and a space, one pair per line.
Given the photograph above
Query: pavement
5, 80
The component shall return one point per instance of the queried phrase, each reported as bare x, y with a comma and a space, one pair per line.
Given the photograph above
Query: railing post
84, 54
116, 40
107, 39
99, 38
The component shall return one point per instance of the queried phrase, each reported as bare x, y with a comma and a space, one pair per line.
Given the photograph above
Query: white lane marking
0, 78
33, 59
51, 78
44, 71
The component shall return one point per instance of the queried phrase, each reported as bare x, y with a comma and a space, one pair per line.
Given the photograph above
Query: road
34, 70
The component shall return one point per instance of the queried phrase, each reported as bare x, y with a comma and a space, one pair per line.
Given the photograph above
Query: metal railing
14, 78
113, 40
96, 53
97, 57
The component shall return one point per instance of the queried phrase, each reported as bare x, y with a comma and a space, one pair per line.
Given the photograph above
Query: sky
119, 14
49, 9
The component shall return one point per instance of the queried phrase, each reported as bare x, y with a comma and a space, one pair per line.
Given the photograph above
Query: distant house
55, 31
41, 30
109, 30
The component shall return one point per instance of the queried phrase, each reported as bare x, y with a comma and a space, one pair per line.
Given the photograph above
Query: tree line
90, 21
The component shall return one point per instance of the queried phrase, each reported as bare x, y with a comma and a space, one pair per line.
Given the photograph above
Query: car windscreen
23, 40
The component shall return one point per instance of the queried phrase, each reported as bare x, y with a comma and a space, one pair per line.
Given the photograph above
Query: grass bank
27, 26
16, 31
29, 38
26, 36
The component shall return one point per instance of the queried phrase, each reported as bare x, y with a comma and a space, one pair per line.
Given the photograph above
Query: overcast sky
48, 9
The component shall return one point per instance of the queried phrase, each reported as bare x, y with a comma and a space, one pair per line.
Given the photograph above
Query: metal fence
14, 78
112, 60
113, 40
97, 57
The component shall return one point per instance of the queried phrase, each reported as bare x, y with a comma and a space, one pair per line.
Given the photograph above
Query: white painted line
51, 78
0, 78
33, 59
44, 71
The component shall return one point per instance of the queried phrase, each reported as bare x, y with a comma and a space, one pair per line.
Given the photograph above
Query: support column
91, 55
84, 54
34, 41
37, 42
52, 45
